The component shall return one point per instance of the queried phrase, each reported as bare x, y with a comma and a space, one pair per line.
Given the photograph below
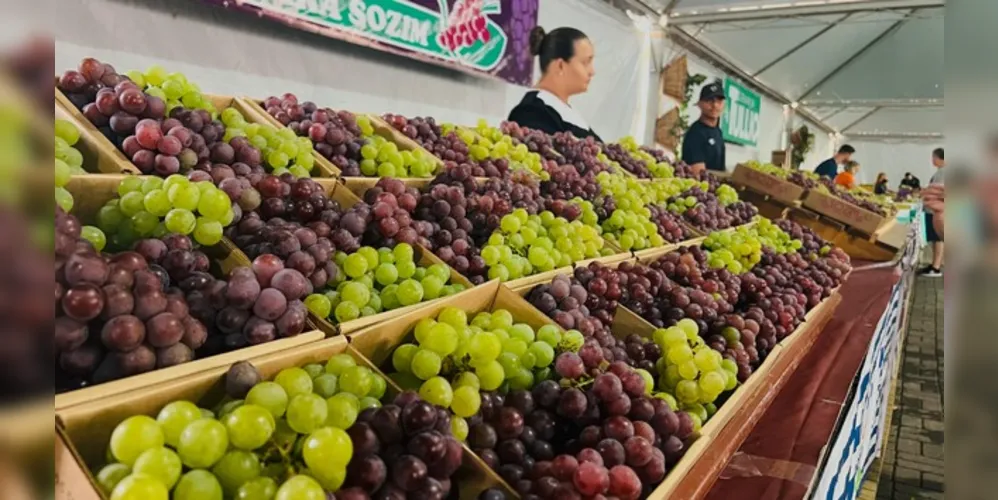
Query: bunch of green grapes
68, 162
526, 244
374, 281
233, 451
150, 206
768, 168
726, 194
382, 158
632, 230
659, 170
173, 88
689, 370
280, 149
659, 191
452, 359
485, 141
741, 249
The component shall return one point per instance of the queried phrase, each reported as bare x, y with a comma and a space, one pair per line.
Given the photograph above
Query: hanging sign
488, 37
740, 120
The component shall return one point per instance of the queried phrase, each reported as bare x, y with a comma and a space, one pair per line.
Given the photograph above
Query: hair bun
536, 40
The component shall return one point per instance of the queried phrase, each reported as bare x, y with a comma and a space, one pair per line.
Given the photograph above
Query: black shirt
827, 168
533, 113
704, 144
912, 183
880, 188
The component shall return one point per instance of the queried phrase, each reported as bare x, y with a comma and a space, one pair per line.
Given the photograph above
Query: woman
566, 59
847, 178
880, 187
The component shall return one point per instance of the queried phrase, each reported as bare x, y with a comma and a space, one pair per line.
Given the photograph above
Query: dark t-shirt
827, 168
533, 113
913, 183
704, 144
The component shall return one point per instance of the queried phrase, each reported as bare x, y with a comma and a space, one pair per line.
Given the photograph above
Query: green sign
740, 121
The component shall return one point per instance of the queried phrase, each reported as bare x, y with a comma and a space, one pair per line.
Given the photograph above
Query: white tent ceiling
863, 67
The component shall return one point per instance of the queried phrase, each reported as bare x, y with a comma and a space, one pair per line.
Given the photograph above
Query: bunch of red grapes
581, 154
142, 323
112, 102
609, 439
617, 153
334, 134
456, 223
465, 26
656, 153
402, 450
797, 177
670, 226
447, 146
392, 205
536, 140
250, 307
297, 223
709, 214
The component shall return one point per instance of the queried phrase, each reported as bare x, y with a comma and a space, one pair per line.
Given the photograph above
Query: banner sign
489, 37
860, 436
740, 120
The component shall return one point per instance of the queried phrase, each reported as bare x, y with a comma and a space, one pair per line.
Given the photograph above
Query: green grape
134, 436
357, 380
357, 293
689, 327
355, 265
453, 316
515, 346
426, 364
432, 287
346, 311
95, 236
468, 379
198, 485
66, 131
543, 353
235, 468
62, 173
491, 375
705, 360
342, 410
386, 274
688, 370
465, 401
572, 340
549, 334
160, 463
229, 407
180, 221
687, 391
672, 337
501, 320
306, 413
325, 385
437, 390
410, 292
522, 331
140, 487
214, 204
150, 184
202, 443
144, 223
109, 217
339, 363
523, 379
402, 357
403, 252
110, 475
406, 269
327, 448
294, 381
301, 488
185, 196
269, 395
483, 347
459, 428
314, 370
713, 382
249, 426
258, 488
319, 305
207, 232
679, 354
649, 380
378, 386
132, 203
129, 184
731, 382
510, 362
442, 339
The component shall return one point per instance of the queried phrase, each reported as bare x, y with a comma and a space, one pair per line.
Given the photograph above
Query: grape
342, 411
236, 468
269, 395
202, 443
249, 426
327, 448
259, 488
337, 364
294, 381
160, 463
438, 391
466, 401
140, 486
300, 488
198, 485
174, 417
110, 475
425, 364
134, 436
306, 413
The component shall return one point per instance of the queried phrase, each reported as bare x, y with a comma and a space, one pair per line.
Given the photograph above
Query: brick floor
913, 457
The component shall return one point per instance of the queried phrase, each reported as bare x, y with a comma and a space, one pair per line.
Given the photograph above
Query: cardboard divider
251, 107
99, 154
776, 188
838, 209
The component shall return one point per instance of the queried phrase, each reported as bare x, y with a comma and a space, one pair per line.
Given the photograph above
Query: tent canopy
866, 68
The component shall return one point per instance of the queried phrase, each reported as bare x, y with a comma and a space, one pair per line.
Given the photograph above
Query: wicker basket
664, 126
674, 78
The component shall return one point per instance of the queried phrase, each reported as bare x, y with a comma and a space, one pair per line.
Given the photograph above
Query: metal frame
882, 103
801, 45
860, 119
689, 42
782, 10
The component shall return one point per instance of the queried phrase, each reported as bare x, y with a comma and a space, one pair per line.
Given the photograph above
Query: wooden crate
853, 216
776, 188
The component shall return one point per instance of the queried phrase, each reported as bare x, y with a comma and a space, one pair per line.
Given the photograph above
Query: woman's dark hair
558, 44
939, 153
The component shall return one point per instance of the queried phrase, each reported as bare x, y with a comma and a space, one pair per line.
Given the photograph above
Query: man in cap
703, 144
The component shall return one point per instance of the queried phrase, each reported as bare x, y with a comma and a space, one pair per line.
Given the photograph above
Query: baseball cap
713, 90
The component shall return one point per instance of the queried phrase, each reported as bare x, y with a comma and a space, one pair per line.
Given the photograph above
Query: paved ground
913, 464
